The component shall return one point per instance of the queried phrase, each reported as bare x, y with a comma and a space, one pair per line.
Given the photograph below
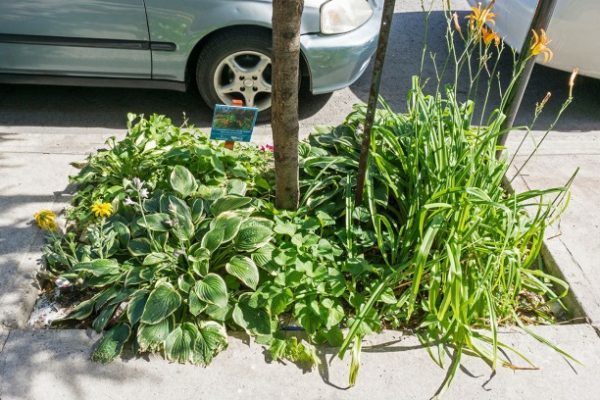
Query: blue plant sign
233, 123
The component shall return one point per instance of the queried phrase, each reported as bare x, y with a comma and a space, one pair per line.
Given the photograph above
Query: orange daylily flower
539, 45
481, 16
489, 36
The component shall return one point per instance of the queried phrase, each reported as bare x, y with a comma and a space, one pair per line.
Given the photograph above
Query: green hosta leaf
213, 239
217, 313
252, 238
244, 269
255, 321
228, 203
197, 211
122, 231
135, 308
100, 267
212, 289
82, 310
181, 213
139, 247
178, 345
152, 337
210, 340
185, 282
102, 319
236, 186
158, 222
229, 222
195, 305
256, 221
287, 228
111, 344
182, 181
156, 258
162, 302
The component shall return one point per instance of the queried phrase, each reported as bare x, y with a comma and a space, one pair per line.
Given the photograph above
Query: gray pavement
43, 129
54, 365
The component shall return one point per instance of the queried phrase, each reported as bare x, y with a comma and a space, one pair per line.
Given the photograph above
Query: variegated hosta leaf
111, 343
152, 337
179, 343
182, 181
211, 340
244, 269
135, 308
212, 289
162, 302
252, 237
229, 222
228, 203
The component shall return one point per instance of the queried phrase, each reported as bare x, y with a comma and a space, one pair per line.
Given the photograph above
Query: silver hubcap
246, 76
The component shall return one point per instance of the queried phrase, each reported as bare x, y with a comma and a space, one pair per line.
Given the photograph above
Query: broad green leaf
197, 211
122, 231
82, 310
158, 222
139, 247
211, 339
213, 239
195, 305
252, 238
178, 345
255, 321
185, 282
111, 344
229, 222
102, 319
244, 269
217, 313
228, 203
181, 213
99, 267
182, 181
236, 186
156, 258
152, 337
287, 228
162, 302
212, 289
135, 308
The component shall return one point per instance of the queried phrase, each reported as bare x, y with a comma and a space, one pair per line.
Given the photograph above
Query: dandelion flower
489, 36
46, 220
102, 210
539, 45
480, 16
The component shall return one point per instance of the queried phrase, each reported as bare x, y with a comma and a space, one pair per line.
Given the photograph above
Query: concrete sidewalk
54, 365
572, 247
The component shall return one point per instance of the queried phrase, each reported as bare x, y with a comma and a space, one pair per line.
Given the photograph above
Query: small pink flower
266, 147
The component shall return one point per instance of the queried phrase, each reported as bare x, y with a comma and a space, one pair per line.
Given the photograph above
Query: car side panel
102, 38
573, 28
186, 22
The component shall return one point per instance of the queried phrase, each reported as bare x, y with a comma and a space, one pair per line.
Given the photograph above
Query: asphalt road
55, 110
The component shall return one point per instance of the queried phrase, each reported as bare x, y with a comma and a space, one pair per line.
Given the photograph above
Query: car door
88, 38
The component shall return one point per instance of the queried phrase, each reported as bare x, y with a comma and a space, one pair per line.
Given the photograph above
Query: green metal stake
541, 20
384, 34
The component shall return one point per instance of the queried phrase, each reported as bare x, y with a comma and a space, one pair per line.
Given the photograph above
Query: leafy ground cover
172, 240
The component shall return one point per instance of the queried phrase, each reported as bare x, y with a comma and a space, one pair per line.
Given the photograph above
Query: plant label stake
234, 123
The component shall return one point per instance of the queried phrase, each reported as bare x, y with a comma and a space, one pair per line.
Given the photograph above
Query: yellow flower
539, 45
480, 16
102, 210
46, 220
489, 36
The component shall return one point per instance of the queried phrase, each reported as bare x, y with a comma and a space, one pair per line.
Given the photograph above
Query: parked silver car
222, 46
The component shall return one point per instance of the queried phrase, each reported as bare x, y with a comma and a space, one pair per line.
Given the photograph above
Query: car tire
237, 66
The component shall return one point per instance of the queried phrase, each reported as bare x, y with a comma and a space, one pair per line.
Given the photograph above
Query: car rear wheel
237, 67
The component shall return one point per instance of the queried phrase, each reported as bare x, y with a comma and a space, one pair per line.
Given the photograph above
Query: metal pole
384, 33
541, 20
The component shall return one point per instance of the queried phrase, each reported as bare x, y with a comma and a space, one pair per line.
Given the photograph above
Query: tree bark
287, 15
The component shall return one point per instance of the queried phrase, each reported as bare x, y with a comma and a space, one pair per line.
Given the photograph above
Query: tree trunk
284, 113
